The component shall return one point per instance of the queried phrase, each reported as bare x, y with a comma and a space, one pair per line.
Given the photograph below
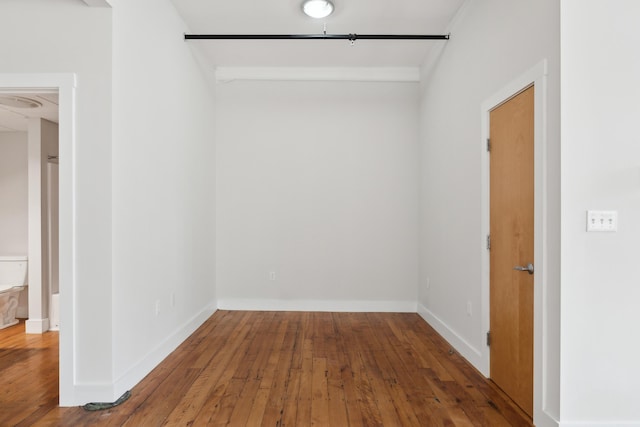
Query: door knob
528, 268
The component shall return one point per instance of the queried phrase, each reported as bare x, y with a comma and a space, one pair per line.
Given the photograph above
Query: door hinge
488, 242
489, 339
488, 144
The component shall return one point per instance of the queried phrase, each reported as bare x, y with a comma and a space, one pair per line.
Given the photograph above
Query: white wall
600, 170
66, 36
159, 174
493, 42
163, 189
13, 193
317, 182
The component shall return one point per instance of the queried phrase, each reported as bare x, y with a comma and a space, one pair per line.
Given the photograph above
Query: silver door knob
528, 268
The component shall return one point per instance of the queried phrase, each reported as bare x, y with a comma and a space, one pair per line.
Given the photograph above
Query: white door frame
65, 84
536, 76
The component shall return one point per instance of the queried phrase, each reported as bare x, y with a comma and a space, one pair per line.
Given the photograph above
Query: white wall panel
318, 183
600, 171
163, 189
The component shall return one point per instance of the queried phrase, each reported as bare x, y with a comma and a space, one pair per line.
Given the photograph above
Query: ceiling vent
19, 102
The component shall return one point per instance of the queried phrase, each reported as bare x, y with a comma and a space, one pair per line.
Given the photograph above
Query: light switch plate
602, 221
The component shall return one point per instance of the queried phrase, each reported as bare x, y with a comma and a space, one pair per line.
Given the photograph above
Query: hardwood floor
28, 374
274, 369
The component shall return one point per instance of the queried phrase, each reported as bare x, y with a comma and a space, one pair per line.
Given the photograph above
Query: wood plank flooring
274, 369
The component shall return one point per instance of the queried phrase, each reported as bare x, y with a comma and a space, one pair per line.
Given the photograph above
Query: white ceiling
14, 119
286, 17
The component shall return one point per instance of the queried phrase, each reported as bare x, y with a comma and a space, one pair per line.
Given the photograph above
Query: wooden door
512, 207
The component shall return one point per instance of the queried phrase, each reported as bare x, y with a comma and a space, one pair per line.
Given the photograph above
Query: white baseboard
466, 350
600, 424
36, 326
317, 305
137, 372
91, 392
544, 419
480, 361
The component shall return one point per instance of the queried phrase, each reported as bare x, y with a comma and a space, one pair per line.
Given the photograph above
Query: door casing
536, 76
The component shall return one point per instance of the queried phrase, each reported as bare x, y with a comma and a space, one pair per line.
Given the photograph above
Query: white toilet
13, 279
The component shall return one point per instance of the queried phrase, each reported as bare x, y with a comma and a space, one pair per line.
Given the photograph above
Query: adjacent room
245, 188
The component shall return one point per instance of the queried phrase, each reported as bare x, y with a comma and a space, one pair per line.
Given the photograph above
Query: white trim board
317, 305
466, 350
36, 326
97, 3
152, 359
362, 74
600, 424
109, 392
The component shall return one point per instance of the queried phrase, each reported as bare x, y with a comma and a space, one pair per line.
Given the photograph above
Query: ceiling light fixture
317, 8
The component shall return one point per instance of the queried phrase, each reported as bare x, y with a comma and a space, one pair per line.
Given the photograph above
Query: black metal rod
352, 37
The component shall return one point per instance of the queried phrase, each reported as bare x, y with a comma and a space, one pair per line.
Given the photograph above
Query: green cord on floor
99, 406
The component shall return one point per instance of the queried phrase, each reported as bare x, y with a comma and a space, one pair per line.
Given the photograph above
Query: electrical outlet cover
602, 221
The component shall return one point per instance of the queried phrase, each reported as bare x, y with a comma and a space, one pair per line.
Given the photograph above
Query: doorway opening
29, 141
64, 86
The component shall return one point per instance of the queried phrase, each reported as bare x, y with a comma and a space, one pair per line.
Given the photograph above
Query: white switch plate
602, 221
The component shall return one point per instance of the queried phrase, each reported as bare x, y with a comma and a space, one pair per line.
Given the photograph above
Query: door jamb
536, 76
65, 84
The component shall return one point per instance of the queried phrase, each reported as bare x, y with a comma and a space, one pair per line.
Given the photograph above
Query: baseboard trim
141, 369
544, 419
36, 326
91, 392
466, 350
317, 305
600, 424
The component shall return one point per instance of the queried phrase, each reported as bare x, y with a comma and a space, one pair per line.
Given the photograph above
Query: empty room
407, 213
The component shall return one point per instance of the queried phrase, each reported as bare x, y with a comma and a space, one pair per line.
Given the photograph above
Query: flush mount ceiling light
317, 8
19, 102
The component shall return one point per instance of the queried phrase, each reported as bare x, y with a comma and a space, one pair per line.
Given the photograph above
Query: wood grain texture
274, 369
512, 244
